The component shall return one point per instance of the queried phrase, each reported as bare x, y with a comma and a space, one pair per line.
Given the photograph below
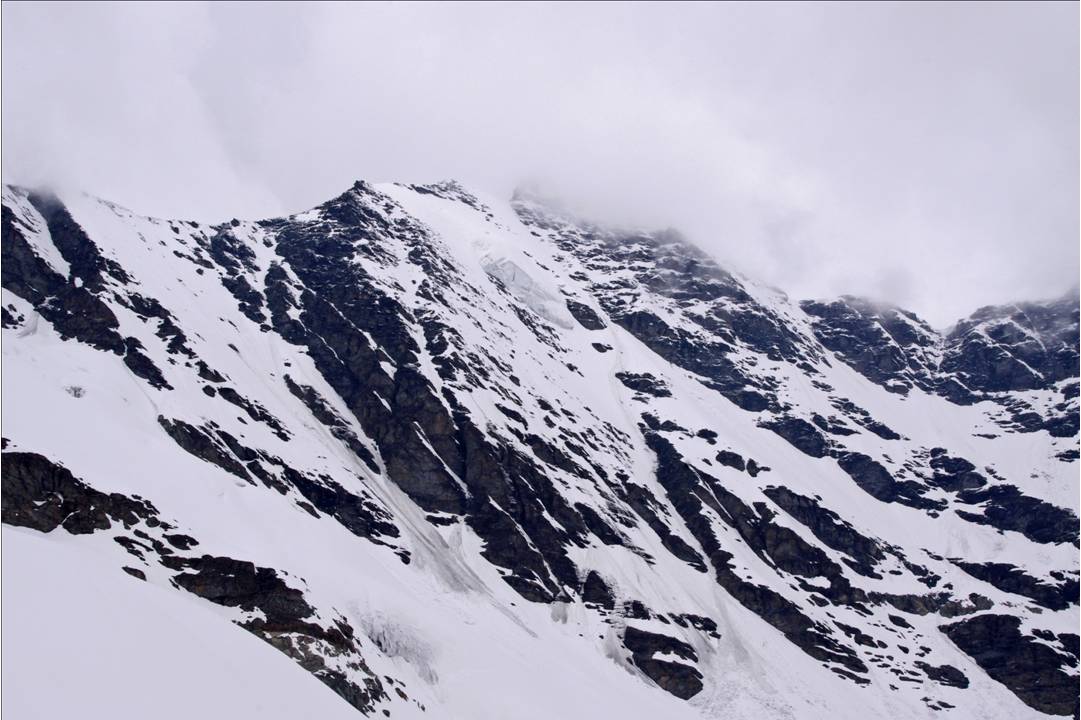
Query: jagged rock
830, 529
1008, 578
884, 343
596, 591
876, 481
585, 315
945, 674
644, 383
202, 444
1031, 670
39, 494
1007, 508
732, 460
682, 680
801, 434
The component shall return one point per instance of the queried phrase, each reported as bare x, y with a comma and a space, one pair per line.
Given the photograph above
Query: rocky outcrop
890, 346
996, 351
678, 675
827, 526
874, 479
71, 304
285, 620
1024, 346
801, 434
42, 495
586, 316
1057, 595
644, 383
1032, 670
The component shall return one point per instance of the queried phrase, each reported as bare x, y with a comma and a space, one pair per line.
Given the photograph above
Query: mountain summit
419, 453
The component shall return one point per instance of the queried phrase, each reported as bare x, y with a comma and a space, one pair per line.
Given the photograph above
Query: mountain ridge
547, 423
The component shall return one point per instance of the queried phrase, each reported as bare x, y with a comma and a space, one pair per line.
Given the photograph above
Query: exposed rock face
42, 495
996, 351
585, 315
863, 553
1027, 346
409, 416
946, 674
644, 383
1032, 669
803, 436
886, 344
679, 678
1057, 594
287, 622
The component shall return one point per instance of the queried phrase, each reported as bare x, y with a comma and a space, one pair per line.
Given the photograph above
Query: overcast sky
925, 154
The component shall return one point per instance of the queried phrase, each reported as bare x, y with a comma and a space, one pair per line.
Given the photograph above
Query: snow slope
458, 457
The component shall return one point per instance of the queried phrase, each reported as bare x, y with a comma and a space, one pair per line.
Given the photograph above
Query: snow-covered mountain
448, 456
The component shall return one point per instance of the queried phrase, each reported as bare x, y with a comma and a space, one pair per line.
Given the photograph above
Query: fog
925, 154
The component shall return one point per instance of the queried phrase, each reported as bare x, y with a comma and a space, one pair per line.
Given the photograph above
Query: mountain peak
422, 443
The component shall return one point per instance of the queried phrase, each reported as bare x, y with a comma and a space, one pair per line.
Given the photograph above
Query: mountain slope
466, 458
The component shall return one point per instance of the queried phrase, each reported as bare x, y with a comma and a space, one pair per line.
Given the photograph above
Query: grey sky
925, 154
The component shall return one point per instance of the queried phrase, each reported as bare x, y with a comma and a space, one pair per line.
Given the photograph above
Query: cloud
920, 153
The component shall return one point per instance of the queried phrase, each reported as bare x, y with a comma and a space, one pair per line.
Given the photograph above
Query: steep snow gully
419, 453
